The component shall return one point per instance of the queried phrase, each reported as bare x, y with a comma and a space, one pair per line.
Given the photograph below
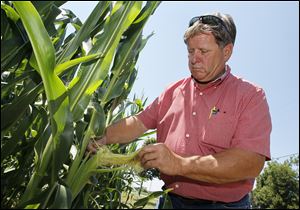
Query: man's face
206, 58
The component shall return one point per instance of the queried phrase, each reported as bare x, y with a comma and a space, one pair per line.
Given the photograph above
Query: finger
88, 152
148, 156
101, 140
146, 149
150, 164
95, 144
92, 147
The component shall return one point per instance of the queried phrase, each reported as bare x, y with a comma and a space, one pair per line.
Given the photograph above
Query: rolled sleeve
149, 116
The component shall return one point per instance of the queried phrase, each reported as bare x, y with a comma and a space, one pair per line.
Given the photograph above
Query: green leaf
33, 206
17, 134
167, 202
41, 44
143, 201
127, 53
10, 12
96, 128
50, 129
84, 31
97, 123
45, 57
11, 113
68, 64
59, 144
14, 43
90, 77
63, 198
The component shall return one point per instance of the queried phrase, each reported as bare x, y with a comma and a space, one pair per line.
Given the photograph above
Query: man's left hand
161, 157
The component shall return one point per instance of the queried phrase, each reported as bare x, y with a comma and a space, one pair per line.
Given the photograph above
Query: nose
195, 57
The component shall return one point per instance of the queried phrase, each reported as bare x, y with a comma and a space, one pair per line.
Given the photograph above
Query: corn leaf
63, 198
59, 143
127, 54
10, 12
18, 133
104, 157
97, 62
59, 69
10, 114
84, 31
95, 128
142, 202
90, 77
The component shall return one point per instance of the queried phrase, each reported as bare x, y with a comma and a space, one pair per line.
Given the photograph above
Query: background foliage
278, 186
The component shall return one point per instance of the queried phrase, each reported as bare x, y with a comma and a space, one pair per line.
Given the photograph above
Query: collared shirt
191, 120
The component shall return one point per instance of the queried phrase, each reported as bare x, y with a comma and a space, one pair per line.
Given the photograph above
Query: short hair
222, 36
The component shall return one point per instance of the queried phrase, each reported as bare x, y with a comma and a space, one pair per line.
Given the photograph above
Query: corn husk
103, 161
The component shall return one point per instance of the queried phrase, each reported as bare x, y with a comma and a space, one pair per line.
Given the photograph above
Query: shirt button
176, 185
194, 113
187, 135
200, 93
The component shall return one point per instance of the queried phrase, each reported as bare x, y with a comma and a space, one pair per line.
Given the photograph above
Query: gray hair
221, 35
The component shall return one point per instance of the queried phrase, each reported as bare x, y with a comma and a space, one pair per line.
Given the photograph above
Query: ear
227, 50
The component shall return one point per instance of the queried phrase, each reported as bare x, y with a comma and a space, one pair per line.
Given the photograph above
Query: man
213, 128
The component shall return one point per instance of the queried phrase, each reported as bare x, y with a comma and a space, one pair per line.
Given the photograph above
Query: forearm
124, 131
228, 166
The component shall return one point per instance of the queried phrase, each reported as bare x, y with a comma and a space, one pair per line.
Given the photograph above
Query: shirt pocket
218, 132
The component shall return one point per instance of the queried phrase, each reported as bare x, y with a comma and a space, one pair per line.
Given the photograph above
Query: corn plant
57, 92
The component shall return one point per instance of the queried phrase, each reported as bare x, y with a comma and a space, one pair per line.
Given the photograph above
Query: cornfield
58, 91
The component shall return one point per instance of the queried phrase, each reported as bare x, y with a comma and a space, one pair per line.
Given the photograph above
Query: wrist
185, 166
102, 140
181, 166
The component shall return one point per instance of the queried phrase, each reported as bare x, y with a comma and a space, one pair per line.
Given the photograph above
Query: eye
190, 51
204, 51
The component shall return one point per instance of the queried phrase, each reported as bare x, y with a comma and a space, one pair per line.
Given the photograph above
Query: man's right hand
95, 143
123, 131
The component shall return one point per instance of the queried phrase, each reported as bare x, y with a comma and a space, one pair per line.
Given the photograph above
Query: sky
266, 52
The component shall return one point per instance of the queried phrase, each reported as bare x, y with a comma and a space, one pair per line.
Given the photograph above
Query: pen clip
214, 110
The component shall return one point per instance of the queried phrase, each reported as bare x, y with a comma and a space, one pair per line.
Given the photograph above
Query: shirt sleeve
149, 116
254, 125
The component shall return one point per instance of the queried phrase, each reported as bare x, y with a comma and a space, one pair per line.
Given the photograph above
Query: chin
198, 77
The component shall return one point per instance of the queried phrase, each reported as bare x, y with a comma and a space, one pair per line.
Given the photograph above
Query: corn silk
107, 158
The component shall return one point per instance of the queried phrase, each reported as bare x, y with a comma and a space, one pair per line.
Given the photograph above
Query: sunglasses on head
209, 20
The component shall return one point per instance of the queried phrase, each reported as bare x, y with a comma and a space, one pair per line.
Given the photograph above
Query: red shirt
190, 120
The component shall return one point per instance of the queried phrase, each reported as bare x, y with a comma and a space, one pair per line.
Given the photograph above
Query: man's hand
161, 157
95, 143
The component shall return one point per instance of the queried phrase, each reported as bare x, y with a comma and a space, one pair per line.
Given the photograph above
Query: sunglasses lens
208, 19
193, 20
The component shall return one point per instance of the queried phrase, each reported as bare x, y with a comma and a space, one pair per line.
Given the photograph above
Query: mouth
197, 66
198, 69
